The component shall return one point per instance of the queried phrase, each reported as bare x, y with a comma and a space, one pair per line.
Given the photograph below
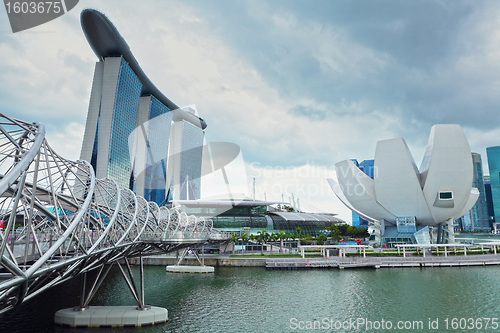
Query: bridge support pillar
116, 316
191, 269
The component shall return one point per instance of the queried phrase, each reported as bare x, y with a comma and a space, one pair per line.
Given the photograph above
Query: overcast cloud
300, 84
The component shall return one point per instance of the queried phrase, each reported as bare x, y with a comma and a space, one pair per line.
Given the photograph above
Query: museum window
448, 195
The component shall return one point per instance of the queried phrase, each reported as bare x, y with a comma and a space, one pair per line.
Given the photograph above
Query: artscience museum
406, 204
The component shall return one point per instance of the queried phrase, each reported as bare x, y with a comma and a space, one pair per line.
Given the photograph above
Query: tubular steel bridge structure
59, 221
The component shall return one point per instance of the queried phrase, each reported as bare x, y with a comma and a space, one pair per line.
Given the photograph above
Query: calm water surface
256, 300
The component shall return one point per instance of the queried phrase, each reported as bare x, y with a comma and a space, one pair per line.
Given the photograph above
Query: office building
479, 213
368, 167
489, 199
493, 154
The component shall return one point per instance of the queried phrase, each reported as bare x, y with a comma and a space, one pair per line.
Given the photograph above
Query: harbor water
235, 299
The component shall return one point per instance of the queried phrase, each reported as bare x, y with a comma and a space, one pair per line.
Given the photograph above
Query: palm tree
244, 238
290, 236
299, 231
281, 235
234, 238
261, 236
267, 237
272, 239
252, 238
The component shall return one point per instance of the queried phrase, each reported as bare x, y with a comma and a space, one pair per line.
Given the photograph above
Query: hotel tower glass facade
131, 125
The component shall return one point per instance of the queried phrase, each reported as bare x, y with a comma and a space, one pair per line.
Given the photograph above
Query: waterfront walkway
293, 263
382, 262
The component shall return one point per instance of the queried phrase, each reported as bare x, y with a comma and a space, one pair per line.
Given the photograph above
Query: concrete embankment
210, 261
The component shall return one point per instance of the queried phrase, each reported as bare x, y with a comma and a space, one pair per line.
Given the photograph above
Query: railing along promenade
383, 262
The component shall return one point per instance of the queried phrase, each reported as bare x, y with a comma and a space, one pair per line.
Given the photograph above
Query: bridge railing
184, 235
60, 221
220, 236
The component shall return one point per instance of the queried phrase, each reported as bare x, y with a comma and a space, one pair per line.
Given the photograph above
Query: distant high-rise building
151, 143
489, 200
129, 123
494, 166
368, 167
465, 222
187, 150
479, 211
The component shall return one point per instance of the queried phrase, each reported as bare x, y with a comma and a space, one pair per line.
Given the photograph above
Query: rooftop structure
237, 215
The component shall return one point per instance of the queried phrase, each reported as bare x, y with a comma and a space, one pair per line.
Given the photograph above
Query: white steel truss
59, 221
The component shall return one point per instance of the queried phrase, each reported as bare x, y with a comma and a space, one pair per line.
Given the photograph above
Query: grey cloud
76, 62
417, 42
355, 59
308, 112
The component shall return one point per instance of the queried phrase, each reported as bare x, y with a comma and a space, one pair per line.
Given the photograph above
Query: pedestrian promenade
382, 262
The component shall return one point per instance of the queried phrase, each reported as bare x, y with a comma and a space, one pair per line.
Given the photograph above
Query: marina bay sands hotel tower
134, 134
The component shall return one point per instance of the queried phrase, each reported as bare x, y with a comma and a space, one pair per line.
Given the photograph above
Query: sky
298, 85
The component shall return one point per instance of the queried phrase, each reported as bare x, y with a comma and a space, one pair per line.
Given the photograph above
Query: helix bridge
59, 221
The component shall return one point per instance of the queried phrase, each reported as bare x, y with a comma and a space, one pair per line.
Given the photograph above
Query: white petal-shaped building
410, 204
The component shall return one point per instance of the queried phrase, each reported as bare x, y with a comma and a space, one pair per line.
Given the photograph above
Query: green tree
281, 236
343, 229
234, 238
299, 232
244, 239
351, 231
252, 239
321, 239
267, 236
261, 237
290, 236
307, 239
334, 232
363, 233
273, 237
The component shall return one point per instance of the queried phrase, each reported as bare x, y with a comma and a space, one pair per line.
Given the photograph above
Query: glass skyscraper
151, 140
190, 172
489, 200
479, 211
186, 156
112, 116
368, 167
129, 133
494, 166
